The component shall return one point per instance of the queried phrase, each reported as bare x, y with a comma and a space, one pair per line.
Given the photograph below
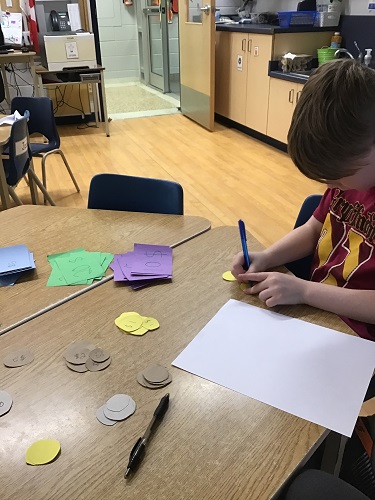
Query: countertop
290, 77
269, 29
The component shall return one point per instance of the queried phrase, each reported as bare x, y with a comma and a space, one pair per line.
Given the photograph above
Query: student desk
72, 76
213, 443
17, 57
48, 230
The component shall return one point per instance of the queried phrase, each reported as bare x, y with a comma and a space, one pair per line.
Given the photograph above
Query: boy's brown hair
333, 125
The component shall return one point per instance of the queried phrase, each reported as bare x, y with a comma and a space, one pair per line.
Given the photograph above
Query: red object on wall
174, 6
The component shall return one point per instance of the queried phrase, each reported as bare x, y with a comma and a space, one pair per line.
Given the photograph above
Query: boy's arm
295, 245
281, 289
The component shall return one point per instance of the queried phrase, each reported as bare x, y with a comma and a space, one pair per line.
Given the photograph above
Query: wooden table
213, 444
48, 230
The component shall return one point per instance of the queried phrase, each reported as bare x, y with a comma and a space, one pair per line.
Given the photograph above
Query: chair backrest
302, 267
18, 163
135, 194
42, 119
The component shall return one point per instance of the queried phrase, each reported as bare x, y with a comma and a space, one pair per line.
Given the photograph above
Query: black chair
135, 194
42, 121
302, 267
18, 161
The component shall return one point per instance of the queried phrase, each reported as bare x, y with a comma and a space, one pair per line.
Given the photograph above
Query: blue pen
245, 251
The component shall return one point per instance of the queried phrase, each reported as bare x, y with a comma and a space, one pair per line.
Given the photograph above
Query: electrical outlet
89, 86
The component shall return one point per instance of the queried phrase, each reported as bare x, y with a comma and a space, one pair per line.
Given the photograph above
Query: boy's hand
275, 288
258, 262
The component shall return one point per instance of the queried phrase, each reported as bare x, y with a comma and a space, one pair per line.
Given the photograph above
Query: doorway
140, 51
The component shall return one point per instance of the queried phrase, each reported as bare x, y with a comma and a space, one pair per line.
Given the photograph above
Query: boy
331, 140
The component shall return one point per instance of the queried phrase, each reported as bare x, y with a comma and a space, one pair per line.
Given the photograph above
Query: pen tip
127, 472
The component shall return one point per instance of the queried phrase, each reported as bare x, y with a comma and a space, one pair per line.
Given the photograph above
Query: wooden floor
226, 175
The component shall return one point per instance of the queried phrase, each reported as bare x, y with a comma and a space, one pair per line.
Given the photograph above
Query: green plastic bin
326, 54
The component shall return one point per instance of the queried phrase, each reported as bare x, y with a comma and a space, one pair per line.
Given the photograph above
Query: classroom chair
135, 194
18, 161
42, 121
302, 267
318, 485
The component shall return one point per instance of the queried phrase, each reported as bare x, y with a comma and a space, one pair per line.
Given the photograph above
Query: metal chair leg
36, 179
14, 196
59, 152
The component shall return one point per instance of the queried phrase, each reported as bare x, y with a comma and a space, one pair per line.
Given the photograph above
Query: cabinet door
259, 53
222, 65
282, 100
238, 78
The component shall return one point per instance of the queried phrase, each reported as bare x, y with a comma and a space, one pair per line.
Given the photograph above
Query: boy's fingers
253, 276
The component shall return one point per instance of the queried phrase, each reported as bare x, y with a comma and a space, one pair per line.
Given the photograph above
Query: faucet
346, 51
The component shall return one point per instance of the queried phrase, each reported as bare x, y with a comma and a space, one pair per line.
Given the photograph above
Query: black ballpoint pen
138, 451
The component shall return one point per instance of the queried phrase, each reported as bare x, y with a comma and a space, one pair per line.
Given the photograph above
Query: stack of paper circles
154, 377
82, 356
118, 407
135, 324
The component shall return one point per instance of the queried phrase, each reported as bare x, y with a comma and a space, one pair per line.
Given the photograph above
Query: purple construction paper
126, 263
151, 260
118, 275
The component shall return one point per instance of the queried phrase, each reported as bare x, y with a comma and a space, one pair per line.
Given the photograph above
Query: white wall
118, 39
357, 7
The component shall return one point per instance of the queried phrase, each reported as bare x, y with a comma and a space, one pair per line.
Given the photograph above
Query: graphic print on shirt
345, 224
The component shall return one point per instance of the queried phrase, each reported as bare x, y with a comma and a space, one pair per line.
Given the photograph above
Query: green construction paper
106, 259
79, 267
56, 278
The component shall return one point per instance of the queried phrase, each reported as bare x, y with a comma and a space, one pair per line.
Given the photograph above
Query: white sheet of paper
74, 16
312, 372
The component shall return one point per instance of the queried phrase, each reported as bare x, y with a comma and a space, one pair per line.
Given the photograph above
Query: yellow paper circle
150, 323
129, 323
228, 276
42, 452
140, 331
243, 286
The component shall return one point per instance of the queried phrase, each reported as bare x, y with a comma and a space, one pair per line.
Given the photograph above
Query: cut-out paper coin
6, 402
228, 276
150, 323
79, 344
42, 452
123, 414
155, 374
140, 331
78, 356
118, 402
129, 323
102, 418
141, 380
77, 368
99, 355
18, 358
93, 366
243, 286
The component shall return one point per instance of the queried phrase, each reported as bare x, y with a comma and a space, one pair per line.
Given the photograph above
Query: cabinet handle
244, 45
298, 95
291, 96
249, 42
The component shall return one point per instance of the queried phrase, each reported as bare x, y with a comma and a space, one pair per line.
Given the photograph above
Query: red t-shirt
345, 252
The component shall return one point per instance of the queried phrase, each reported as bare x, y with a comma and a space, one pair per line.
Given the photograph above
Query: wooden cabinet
259, 53
241, 79
283, 97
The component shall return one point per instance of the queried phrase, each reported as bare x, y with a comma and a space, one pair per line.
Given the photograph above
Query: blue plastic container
297, 18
